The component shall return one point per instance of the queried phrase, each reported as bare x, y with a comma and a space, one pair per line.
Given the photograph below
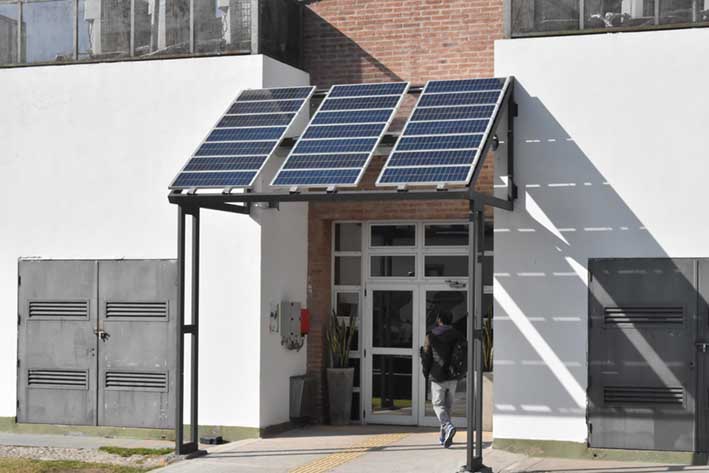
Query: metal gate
96, 342
642, 355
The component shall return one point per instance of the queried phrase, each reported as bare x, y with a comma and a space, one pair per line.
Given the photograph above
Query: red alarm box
304, 322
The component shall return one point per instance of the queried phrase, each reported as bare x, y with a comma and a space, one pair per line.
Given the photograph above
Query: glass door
437, 298
390, 356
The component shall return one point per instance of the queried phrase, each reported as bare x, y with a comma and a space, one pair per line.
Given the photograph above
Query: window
64, 31
393, 235
539, 17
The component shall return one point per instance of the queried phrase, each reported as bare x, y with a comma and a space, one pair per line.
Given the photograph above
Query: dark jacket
436, 352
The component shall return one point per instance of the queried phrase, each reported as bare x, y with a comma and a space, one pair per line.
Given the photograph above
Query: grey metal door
56, 369
642, 353
702, 347
137, 302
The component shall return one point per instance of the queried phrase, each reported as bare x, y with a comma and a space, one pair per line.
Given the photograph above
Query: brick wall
353, 41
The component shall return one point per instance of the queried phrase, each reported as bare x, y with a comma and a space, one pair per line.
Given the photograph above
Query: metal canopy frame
190, 204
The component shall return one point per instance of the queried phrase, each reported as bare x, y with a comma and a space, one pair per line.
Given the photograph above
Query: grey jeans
442, 399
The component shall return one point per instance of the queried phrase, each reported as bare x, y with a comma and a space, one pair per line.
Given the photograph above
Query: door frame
369, 351
423, 419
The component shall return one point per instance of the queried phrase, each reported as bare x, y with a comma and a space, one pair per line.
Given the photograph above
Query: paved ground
381, 450
365, 449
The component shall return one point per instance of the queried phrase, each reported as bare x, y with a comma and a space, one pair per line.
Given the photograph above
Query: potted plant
340, 375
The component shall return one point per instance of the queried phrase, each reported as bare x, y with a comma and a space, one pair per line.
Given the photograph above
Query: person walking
436, 356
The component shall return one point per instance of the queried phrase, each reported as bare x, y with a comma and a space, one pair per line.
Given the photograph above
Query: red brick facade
353, 41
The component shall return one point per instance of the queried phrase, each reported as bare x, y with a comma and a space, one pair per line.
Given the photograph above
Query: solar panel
244, 138
443, 139
341, 138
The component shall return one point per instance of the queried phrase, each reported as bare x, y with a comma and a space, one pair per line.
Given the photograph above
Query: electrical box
290, 315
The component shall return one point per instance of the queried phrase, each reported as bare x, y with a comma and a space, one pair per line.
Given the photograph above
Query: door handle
102, 334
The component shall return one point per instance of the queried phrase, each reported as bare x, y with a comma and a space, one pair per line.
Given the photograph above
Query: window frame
582, 30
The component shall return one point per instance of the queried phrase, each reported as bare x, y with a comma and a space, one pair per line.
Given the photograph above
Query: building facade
609, 165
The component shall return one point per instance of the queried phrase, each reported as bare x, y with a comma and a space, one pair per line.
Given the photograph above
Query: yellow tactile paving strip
348, 454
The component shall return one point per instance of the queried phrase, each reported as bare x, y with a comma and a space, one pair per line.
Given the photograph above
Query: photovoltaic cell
276, 94
466, 98
363, 90
326, 161
321, 177
273, 119
453, 113
344, 131
236, 150
441, 143
388, 101
335, 146
366, 116
246, 134
214, 179
342, 136
281, 106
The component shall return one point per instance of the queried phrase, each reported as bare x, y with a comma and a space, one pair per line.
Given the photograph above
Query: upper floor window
62, 31
539, 17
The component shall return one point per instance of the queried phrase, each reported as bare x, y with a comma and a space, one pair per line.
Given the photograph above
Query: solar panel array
340, 140
244, 138
442, 142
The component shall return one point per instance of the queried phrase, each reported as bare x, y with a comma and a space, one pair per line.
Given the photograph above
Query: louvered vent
643, 315
136, 310
136, 381
59, 309
633, 396
58, 379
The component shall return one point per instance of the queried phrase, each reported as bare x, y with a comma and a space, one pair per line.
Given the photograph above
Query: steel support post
194, 377
191, 447
179, 345
474, 386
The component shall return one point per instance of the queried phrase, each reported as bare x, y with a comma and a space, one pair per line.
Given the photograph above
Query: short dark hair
445, 317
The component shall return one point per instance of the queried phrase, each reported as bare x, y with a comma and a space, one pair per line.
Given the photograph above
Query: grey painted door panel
137, 305
703, 358
642, 372
56, 342
96, 342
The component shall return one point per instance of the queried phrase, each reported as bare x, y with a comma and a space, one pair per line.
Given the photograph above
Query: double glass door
397, 319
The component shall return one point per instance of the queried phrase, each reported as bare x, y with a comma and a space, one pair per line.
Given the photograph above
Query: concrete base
572, 450
488, 379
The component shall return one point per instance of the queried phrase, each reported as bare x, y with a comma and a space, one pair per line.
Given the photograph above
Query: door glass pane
393, 266
347, 305
455, 303
447, 235
104, 29
391, 385
392, 319
348, 237
676, 11
347, 271
223, 26
445, 265
162, 27
48, 31
617, 13
393, 235
8, 34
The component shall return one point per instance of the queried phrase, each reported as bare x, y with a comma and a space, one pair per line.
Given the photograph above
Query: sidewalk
77, 441
379, 449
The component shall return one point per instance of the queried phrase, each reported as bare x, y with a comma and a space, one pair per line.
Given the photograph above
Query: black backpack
458, 364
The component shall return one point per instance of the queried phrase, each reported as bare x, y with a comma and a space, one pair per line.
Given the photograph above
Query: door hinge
18, 319
515, 109
19, 280
364, 415
365, 353
702, 347
18, 406
18, 362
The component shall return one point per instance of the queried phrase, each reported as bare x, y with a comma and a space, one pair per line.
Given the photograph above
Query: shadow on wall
345, 60
567, 213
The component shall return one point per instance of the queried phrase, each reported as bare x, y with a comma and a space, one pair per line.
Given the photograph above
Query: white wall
88, 153
611, 161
